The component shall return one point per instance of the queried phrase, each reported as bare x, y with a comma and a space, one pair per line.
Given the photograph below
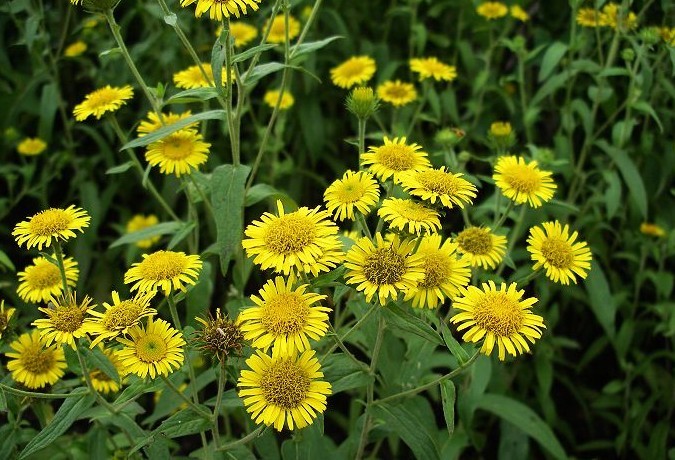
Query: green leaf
600, 298
120, 168
309, 47
630, 175
70, 410
6, 262
403, 320
612, 192
249, 53
193, 95
344, 374
102, 363
163, 228
173, 127
551, 58
448, 397
644, 107
406, 425
217, 59
171, 19
181, 234
228, 186
452, 344
184, 423
259, 192
260, 71
523, 418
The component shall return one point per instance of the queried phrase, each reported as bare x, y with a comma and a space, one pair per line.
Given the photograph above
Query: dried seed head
219, 336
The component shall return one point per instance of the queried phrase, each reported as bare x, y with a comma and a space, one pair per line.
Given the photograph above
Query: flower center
43, 275
177, 147
103, 96
352, 190
162, 265
436, 271
285, 313
37, 360
67, 318
414, 211
352, 69
122, 315
49, 222
151, 348
397, 92
285, 384
438, 182
384, 266
522, 179
499, 314
557, 252
289, 234
396, 156
475, 240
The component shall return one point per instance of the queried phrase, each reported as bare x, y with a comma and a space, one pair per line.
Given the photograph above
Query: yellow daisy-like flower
75, 49
588, 17
283, 390
492, 10
519, 13
164, 270
103, 100
52, 224
101, 381
431, 67
178, 153
611, 17
501, 129
397, 93
438, 184
668, 35
480, 247
444, 273
192, 77
402, 213
271, 97
284, 318
354, 71
394, 158
523, 182
499, 316
118, 317
5, 316
355, 191
65, 321
219, 9
278, 30
383, 267
241, 32
555, 249
154, 350
42, 280
31, 146
33, 363
140, 222
292, 240
652, 230
152, 123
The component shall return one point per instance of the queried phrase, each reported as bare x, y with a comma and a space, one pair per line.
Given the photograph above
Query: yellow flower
354, 71
31, 146
5, 316
652, 229
140, 222
118, 317
291, 241
284, 318
89, 23
444, 273
271, 97
42, 280
219, 9
34, 364
519, 13
431, 67
101, 101
52, 224
192, 77
75, 49
612, 17
438, 184
154, 350
355, 191
498, 316
555, 249
65, 320
397, 93
402, 213
383, 267
278, 31
152, 123
492, 10
501, 129
588, 17
283, 391
102, 382
668, 35
481, 247
394, 158
178, 153
241, 32
219, 336
523, 182
164, 270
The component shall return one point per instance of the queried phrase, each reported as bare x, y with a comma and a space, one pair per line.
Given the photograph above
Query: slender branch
186, 400
58, 253
357, 325
32, 394
249, 437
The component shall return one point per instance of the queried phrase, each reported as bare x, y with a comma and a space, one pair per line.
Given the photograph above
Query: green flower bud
362, 102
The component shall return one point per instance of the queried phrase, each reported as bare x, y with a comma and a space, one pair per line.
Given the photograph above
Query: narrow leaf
164, 228
404, 423
552, 57
308, 47
601, 301
630, 175
448, 397
120, 168
398, 318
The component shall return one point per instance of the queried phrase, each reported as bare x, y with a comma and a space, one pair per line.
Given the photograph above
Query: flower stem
185, 399
513, 237
222, 381
502, 219
358, 324
528, 278
364, 226
58, 253
249, 437
87, 379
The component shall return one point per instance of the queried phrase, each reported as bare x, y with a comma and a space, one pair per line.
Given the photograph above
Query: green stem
346, 351
513, 237
202, 195
429, 385
528, 278
523, 96
426, 86
222, 380
502, 219
389, 188
58, 253
31, 394
249, 437
356, 325
362, 138
186, 400
87, 379
364, 226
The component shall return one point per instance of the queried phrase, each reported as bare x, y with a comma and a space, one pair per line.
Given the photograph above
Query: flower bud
362, 102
